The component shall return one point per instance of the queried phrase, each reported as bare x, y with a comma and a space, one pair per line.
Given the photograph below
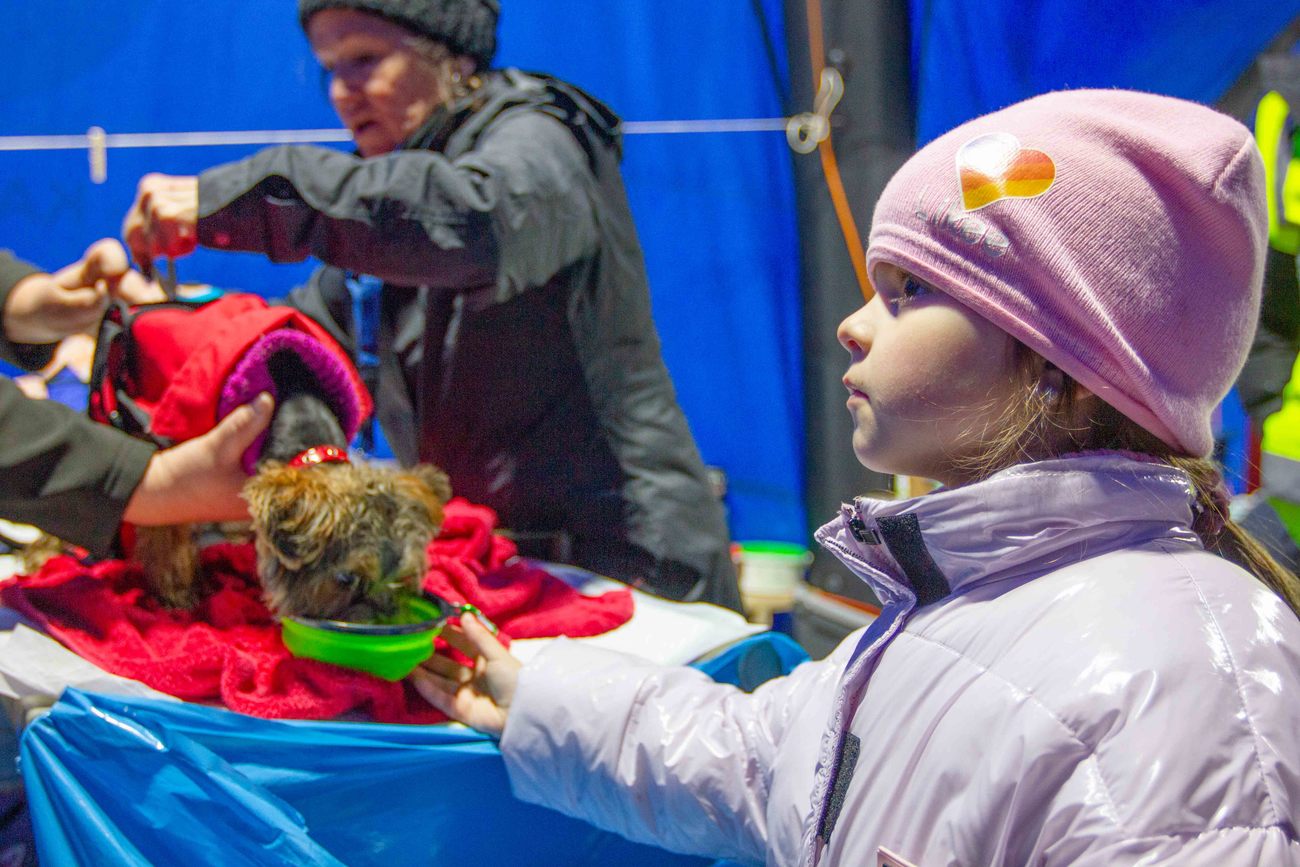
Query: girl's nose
854, 333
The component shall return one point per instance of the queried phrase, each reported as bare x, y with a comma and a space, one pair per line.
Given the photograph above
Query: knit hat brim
468, 27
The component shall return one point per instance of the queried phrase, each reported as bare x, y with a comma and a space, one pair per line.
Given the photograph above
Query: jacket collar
1026, 520
592, 122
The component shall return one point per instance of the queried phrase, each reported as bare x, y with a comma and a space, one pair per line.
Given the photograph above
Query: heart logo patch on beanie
995, 166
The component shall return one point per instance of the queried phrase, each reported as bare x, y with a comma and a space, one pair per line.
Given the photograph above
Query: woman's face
927, 379
381, 84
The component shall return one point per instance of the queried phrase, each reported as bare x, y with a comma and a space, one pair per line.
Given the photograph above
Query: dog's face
340, 541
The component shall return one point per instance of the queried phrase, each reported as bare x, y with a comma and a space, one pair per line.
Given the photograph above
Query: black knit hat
466, 26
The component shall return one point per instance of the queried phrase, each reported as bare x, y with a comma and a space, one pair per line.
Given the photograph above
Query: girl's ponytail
1221, 535
1048, 423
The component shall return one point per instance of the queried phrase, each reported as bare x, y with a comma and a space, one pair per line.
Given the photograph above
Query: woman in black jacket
511, 341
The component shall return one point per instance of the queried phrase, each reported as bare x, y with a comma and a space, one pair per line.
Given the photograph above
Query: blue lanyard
365, 290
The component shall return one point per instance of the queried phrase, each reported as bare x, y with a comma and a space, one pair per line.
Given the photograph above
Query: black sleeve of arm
25, 355
64, 473
408, 217
515, 209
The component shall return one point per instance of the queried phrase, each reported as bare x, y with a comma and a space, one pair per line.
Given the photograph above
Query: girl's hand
479, 698
163, 219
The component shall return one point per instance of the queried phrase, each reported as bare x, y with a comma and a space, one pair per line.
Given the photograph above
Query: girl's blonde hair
1051, 420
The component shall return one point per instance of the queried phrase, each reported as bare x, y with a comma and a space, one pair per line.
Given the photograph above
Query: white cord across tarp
97, 142
309, 136
169, 139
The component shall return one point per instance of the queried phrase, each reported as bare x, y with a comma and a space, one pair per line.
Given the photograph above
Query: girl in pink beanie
1074, 663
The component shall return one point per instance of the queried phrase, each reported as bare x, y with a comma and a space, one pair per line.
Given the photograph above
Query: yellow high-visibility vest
1278, 137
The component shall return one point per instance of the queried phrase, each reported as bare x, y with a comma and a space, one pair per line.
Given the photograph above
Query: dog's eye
348, 580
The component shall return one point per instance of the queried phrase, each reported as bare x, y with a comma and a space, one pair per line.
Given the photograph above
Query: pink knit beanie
1120, 235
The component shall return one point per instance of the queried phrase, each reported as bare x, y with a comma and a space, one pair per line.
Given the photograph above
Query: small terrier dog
334, 540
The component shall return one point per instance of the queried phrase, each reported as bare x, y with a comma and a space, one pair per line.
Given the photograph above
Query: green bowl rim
381, 629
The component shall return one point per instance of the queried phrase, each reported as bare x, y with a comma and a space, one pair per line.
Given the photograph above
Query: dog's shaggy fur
334, 540
340, 541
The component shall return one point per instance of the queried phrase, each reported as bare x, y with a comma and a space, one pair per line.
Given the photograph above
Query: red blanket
228, 650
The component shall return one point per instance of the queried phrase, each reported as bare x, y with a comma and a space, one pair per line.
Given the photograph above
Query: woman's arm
64, 473
514, 210
79, 480
41, 309
13, 272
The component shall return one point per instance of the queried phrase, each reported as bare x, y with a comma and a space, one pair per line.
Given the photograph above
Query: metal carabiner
806, 131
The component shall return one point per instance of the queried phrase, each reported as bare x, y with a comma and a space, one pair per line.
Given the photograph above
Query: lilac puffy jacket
1061, 675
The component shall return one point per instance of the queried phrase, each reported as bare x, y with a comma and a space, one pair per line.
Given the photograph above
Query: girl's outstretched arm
661, 754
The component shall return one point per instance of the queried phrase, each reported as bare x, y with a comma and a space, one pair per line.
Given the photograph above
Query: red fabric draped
228, 650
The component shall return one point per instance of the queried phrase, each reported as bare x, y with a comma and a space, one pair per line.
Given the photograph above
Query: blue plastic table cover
129, 781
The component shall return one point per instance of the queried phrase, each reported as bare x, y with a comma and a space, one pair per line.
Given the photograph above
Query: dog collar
320, 455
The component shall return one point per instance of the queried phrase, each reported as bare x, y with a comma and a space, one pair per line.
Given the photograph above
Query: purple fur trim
251, 377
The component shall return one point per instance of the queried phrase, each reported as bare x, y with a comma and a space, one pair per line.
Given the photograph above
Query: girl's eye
912, 289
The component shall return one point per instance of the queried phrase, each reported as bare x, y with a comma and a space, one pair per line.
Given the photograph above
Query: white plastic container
769, 573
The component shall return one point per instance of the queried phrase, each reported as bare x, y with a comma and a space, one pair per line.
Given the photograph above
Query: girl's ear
1063, 393
1051, 381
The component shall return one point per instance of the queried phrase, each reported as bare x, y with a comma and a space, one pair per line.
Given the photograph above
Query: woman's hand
478, 697
163, 220
45, 308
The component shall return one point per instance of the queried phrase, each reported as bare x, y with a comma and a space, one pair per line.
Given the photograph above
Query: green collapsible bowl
387, 650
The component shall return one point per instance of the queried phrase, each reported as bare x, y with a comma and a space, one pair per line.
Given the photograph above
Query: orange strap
830, 167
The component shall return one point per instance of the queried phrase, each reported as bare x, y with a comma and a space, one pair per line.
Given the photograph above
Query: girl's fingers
436, 690
485, 643
457, 639
448, 668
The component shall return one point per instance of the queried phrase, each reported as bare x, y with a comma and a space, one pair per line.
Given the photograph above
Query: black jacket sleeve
63, 472
58, 469
488, 216
29, 356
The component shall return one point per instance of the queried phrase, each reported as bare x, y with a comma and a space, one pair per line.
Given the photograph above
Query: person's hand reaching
163, 219
45, 308
201, 479
478, 697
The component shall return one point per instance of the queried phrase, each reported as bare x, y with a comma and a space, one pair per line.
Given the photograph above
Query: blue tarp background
972, 58
715, 211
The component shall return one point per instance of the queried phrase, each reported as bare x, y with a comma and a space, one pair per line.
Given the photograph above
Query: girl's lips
854, 393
